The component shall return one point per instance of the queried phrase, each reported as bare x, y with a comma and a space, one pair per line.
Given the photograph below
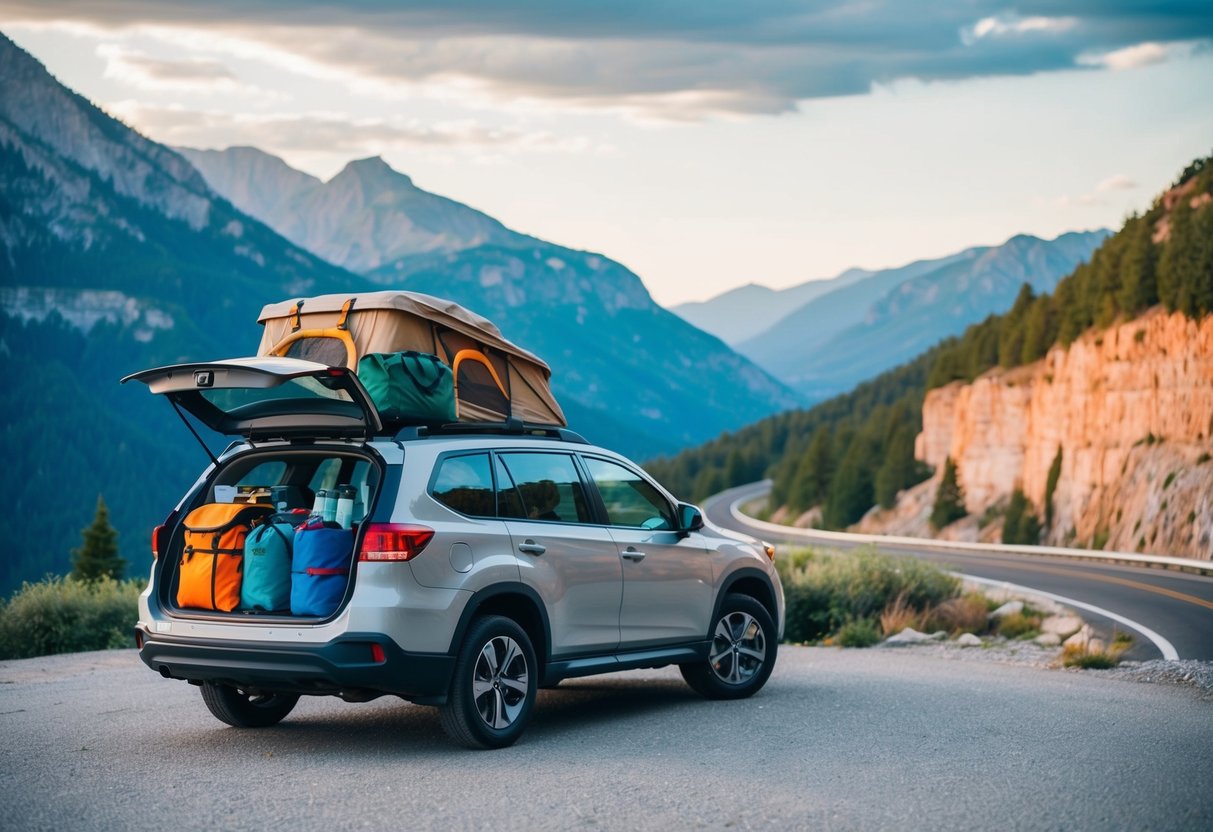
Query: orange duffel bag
209, 576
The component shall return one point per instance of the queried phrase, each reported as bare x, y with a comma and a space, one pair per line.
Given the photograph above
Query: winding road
1176, 607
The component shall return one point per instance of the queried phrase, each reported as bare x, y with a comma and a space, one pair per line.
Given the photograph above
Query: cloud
336, 133
1100, 194
143, 72
1011, 24
1119, 182
677, 59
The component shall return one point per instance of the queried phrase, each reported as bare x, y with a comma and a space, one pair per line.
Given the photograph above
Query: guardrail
1199, 567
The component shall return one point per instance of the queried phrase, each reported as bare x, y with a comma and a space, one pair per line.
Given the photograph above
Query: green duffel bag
412, 387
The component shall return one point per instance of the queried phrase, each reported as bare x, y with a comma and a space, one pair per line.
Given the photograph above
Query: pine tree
949, 499
1020, 525
899, 469
1138, 268
1050, 487
98, 556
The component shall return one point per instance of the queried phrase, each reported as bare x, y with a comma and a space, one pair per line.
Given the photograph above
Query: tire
742, 653
494, 685
242, 710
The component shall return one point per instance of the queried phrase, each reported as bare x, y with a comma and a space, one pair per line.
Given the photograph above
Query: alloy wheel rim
500, 682
739, 648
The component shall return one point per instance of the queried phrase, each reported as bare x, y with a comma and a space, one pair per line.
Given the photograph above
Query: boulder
1079, 639
1009, 608
908, 636
968, 640
1048, 640
1061, 625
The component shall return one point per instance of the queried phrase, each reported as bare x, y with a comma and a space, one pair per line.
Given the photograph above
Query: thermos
329, 512
322, 498
345, 505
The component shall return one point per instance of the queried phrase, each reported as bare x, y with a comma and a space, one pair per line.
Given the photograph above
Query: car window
264, 474
465, 483
630, 499
509, 504
549, 487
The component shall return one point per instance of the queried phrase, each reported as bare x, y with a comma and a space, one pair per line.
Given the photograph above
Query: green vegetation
1051, 486
829, 592
1020, 625
855, 451
949, 498
98, 557
65, 615
1020, 525
860, 633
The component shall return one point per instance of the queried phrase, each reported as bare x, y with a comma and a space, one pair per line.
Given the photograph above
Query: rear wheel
246, 710
494, 685
742, 653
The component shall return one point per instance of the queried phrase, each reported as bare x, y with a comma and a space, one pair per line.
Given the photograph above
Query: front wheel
246, 710
742, 653
494, 685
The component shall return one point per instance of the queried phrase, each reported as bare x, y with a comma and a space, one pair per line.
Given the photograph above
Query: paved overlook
838, 739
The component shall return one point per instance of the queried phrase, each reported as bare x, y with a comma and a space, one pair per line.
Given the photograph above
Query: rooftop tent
494, 378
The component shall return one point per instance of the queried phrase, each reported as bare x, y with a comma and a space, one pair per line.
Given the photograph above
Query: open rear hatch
268, 397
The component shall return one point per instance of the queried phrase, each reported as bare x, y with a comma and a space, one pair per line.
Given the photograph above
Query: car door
569, 560
667, 574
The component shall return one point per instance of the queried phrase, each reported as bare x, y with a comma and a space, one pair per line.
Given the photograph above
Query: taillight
377, 654
160, 534
393, 541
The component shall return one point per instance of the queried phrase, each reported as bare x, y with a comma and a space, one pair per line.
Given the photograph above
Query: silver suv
488, 561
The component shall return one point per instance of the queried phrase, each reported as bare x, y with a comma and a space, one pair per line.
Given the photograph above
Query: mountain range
117, 254
859, 324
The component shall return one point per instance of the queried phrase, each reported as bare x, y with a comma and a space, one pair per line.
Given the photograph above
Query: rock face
1130, 408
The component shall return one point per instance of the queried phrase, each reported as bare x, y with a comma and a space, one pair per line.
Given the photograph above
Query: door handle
530, 547
633, 555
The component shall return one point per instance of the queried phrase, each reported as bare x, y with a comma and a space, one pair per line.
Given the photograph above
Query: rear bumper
344, 667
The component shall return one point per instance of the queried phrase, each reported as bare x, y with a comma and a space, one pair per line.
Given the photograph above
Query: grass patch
65, 615
1019, 625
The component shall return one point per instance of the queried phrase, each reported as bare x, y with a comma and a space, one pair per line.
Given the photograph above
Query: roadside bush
64, 615
859, 633
829, 590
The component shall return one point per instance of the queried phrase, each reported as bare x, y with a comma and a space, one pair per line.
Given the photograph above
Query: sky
703, 144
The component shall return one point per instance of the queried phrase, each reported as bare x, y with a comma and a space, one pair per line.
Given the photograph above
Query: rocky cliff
1131, 411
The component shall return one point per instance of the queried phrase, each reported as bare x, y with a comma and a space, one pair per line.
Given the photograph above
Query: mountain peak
373, 170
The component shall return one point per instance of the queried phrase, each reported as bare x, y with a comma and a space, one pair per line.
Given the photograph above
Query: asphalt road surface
855, 739
1176, 605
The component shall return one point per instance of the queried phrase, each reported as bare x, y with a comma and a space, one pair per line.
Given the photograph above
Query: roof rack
510, 427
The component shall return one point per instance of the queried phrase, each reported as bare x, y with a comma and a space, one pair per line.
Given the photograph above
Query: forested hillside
857, 450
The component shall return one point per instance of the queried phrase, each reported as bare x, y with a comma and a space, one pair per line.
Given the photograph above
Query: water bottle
345, 505
318, 506
330, 505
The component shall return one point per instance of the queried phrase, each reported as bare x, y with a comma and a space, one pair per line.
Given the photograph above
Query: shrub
859, 633
64, 615
829, 590
967, 614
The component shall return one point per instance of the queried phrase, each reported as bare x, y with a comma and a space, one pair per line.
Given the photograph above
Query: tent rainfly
494, 378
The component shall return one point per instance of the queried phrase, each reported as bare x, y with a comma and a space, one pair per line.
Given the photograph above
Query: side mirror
690, 518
